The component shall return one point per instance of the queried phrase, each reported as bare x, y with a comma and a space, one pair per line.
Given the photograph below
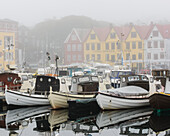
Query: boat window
95, 79
63, 81
114, 73
144, 78
9, 79
29, 76
133, 78
41, 79
74, 80
84, 79
49, 80
101, 80
123, 79
24, 77
151, 79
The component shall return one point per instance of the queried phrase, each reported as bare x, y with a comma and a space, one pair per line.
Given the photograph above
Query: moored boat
83, 88
161, 100
134, 92
37, 96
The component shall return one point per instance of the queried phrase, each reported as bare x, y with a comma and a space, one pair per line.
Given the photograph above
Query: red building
73, 46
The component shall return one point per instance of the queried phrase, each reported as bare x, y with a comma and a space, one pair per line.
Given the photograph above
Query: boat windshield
120, 73
95, 79
84, 79
133, 78
24, 77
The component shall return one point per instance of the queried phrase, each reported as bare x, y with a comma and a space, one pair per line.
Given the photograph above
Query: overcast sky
30, 12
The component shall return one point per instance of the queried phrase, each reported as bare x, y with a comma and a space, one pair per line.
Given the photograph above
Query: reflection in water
45, 122
160, 121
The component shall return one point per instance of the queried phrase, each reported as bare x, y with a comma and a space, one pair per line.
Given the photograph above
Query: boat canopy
43, 83
129, 91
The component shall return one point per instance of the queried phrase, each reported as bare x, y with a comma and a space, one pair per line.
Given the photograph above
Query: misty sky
30, 12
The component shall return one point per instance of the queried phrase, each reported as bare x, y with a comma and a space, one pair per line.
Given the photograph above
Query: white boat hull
59, 99
107, 101
24, 99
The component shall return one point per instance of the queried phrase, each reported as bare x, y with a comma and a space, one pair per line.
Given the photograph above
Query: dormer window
73, 37
133, 34
92, 36
112, 36
155, 33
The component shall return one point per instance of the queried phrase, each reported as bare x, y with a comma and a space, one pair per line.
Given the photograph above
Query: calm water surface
41, 121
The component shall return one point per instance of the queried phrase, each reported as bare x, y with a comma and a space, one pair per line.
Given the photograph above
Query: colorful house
74, 46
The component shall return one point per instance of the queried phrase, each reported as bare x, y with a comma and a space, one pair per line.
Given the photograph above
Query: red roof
102, 33
123, 31
164, 30
144, 30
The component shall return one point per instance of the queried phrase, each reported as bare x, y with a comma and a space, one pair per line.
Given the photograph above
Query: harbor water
44, 121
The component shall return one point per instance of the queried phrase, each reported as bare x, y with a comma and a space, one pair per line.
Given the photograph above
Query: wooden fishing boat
134, 92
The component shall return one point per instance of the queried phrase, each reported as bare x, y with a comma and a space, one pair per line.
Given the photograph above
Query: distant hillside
50, 35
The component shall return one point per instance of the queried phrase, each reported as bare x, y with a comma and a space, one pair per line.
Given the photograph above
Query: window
140, 56
149, 55
127, 56
155, 33
93, 57
79, 47
68, 47
107, 57
98, 57
68, 58
93, 46
133, 45
118, 45
127, 45
113, 58
155, 44
113, 46
162, 55
8, 40
155, 56
73, 47
87, 46
92, 36
119, 56
112, 36
0, 42
134, 57
139, 45
87, 57
73, 37
161, 44
107, 46
133, 34
79, 57
149, 44
74, 57
98, 46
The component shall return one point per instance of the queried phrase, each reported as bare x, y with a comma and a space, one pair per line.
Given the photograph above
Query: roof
102, 33
80, 33
164, 30
123, 31
144, 30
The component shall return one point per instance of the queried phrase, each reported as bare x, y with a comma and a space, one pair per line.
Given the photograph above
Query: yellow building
7, 49
112, 50
94, 45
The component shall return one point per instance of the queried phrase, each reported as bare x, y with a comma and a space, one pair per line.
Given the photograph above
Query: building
73, 46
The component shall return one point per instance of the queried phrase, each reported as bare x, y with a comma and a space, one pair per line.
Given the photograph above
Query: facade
94, 45
73, 46
8, 42
139, 47
7, 49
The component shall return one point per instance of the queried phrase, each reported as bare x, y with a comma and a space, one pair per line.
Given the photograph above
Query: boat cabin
44, 83
12, 80
85, 84
134, 80
161, 74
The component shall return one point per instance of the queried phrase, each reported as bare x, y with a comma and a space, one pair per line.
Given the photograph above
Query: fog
30, 12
